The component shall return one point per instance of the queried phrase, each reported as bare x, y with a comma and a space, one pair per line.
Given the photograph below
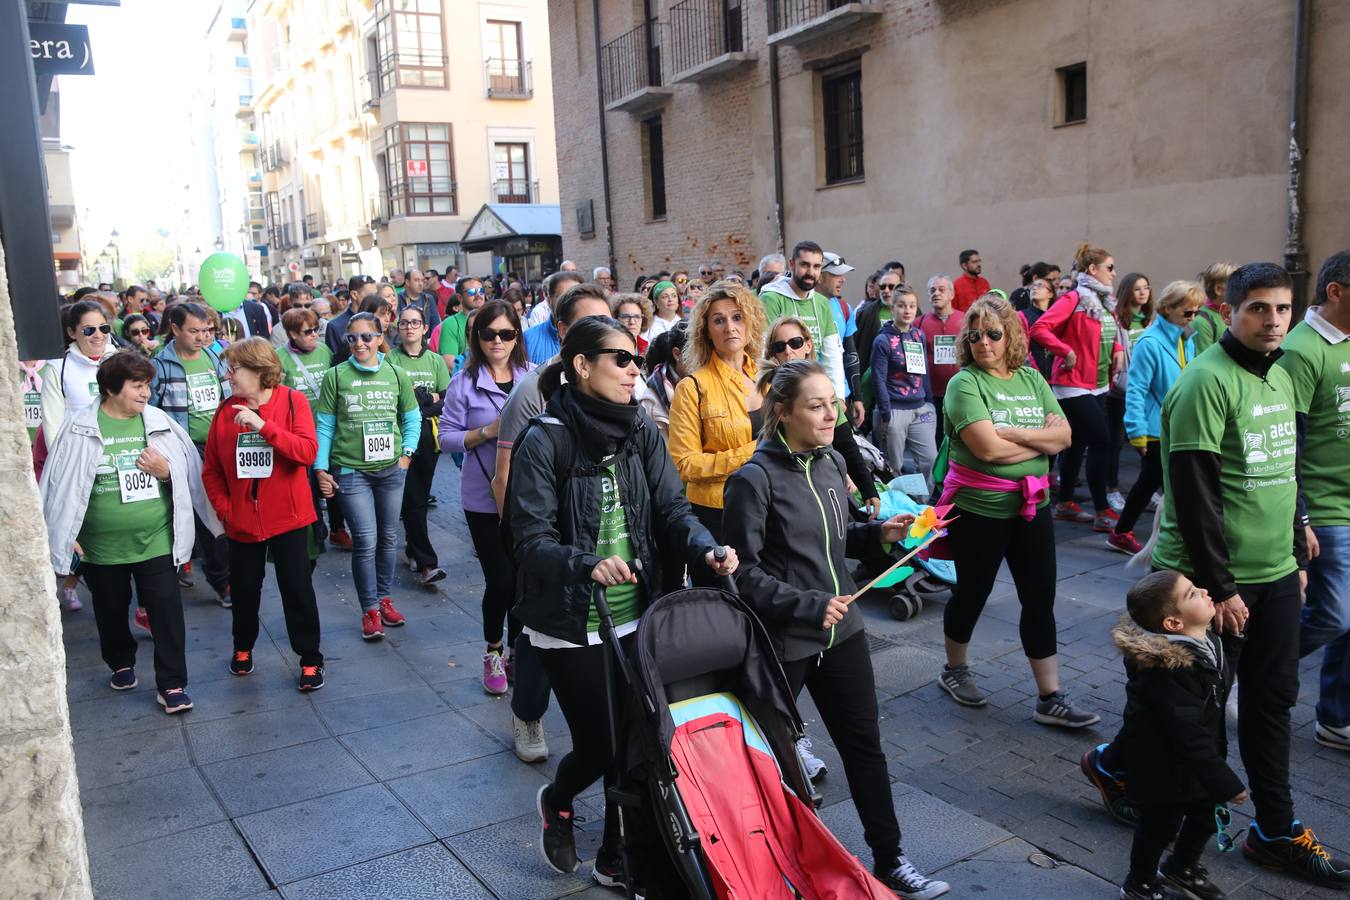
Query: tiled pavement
397, 779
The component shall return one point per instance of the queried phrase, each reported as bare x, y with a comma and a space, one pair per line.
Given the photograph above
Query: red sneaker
340, 538
372, 629
1068, 511
142, 620
392, 617
1125, 543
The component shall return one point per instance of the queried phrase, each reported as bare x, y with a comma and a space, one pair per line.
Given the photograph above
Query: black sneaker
185, 575
1300, 854
242, 662
607, 871
174, 700
557, 842
1057, 710
1112, 789
1193, 881
123, 679
1156, 889
311, 678
908, 883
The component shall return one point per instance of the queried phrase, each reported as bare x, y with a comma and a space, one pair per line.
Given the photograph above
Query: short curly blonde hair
698, 347
993, 310
617, 300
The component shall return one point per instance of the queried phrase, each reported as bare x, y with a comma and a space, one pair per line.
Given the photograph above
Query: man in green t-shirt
795, 294
1229, 452
1317, 358
451, 342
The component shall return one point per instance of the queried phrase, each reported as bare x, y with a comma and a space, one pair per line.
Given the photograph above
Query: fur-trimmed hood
1146, 650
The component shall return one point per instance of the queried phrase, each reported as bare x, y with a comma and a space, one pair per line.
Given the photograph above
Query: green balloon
223, 280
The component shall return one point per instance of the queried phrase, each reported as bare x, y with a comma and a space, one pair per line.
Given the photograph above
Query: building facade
236, 148
386, 125
66, 250
910, 130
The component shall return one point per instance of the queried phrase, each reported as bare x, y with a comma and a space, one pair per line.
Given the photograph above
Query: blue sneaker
1299, 854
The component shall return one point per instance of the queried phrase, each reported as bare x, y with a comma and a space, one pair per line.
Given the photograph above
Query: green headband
661, 286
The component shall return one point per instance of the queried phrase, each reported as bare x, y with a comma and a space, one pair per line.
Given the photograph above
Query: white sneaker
1116, 500
71, 600
1156, 502
1331, 736
529, 738
909, 884
814, 765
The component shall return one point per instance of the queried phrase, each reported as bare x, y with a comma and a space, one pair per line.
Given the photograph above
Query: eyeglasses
138, 332
308, 331
411, 323
88, 330
796, 343
630, 317
1223, 817
992, 333
1190, 313
365, 337
488, 335
622, 358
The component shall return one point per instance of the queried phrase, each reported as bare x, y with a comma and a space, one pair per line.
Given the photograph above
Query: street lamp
220, 242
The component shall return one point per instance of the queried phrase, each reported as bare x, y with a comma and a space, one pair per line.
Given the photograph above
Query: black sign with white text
60, 49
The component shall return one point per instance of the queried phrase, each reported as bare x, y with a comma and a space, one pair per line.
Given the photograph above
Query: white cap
835, 265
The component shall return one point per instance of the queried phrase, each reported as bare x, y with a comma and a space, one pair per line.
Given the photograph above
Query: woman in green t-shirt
1002, 425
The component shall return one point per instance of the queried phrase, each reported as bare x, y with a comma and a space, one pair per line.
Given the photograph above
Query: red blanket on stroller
760, 840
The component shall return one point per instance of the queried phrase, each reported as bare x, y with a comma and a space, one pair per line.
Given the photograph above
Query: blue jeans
371, 502
1326, 622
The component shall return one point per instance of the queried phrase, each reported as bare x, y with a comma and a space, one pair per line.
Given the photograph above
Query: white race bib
944, 350
377, 440
134, 484
252, 456
915, 362
32, 410
203, 391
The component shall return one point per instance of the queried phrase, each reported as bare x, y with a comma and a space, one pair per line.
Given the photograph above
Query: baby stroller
713, 737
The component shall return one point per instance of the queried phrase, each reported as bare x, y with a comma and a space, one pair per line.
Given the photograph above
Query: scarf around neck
1094, 297
600, 426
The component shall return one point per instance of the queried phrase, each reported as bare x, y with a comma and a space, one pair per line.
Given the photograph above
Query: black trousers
211, 550
417, 500
1115, 430
158, 593
290, 562
499, 575
1149, 480
1191, 825
1267, 671
529, 694
844, 690
711, 518
1091, 437
979, 544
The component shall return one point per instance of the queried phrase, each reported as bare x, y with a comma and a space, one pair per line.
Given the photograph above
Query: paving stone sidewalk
397, 779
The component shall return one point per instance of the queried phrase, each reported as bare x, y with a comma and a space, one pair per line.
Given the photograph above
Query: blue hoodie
1162, 351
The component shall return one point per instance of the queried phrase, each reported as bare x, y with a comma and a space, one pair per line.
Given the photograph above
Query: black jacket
787, 516
1174, 720
555, 515
869, 326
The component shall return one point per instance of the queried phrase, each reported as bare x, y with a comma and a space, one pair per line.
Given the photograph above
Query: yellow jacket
710, 434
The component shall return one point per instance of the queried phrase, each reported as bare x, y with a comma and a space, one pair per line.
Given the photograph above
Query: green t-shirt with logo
1209, 327
612, 540
1108, 346
1216, 406
304, 371
204, 395
368, 407
1320, 371
130, 514
427, 370
453, 338
1022, 400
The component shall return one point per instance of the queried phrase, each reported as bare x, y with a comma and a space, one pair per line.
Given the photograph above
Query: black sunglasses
365, 337
308, 331
88, 330
622, 358
992, 333
138, 332
796, 343
1190, 313
489, 335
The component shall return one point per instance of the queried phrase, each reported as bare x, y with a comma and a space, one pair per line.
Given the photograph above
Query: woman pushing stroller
786, 511
593, 491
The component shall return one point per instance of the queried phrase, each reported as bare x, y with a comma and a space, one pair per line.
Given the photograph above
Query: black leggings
1191, 825
290, 563
1115, 428
979, 544
1091, 436
499, 576
417, 500
1149, 480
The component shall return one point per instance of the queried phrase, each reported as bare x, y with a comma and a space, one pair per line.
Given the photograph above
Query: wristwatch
409, 453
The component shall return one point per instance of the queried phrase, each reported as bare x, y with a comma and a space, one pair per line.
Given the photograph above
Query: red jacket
1064, 327
968, 290
932, 326
255, 509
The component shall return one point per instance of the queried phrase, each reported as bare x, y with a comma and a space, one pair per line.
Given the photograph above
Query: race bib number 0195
252, 456
134, 484
377, 439
203, 391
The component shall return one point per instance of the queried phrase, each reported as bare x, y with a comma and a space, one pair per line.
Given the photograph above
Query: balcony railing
314, 226
515, 191
799, 21
508, 78
703, 30
631, 67
275, 156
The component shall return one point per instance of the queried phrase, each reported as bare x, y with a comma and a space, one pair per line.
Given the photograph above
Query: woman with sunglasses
429, 375
304, 360
1002, 425
592, 491
665, 300
634, 312
140, 334
369, 425
1081, 332
1162, 352
469, 424
295, 300
717, 412
1134, 312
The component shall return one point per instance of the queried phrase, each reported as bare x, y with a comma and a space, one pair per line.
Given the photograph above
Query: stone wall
41, 828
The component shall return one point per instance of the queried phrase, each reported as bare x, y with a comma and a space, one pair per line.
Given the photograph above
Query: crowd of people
725, 425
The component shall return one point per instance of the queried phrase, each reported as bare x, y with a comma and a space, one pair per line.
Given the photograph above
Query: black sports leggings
1115, 427
499, 576
1091, 436
979, 544
1149, 480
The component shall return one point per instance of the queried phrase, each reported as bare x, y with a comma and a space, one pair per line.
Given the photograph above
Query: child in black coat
1174, 714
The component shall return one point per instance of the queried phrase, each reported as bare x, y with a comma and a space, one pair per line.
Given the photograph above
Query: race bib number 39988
252, 456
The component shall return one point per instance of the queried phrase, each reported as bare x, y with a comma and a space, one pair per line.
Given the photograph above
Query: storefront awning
498, 223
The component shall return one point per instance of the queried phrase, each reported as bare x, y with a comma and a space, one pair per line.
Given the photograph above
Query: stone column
41, 825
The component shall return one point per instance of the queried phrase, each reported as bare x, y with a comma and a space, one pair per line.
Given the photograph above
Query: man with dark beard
795, 294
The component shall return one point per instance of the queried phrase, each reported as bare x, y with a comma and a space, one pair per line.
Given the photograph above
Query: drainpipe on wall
776, 112
604, 142
1295, 247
